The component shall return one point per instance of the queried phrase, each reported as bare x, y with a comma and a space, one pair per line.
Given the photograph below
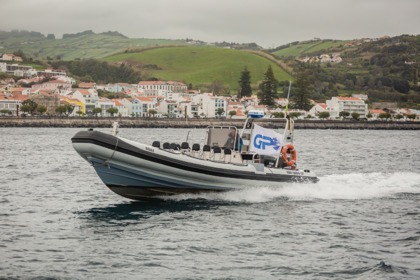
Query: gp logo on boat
261, 142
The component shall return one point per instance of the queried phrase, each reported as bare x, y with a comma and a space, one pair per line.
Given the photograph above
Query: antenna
288, 95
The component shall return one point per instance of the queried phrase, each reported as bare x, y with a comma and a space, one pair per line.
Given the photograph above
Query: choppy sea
361, 221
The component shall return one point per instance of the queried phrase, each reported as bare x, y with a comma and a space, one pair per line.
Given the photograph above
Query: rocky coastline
84, 122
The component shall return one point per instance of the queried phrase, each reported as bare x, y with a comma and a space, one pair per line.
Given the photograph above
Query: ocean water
361, 221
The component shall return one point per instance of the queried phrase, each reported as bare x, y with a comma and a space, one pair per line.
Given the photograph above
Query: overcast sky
269, 23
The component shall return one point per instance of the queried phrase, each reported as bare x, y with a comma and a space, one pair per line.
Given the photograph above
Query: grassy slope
308, 47
85, 46
202, 65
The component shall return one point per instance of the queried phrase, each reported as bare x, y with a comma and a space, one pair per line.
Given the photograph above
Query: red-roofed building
318, 108
87, 85
122, 110
138, 106
11, 103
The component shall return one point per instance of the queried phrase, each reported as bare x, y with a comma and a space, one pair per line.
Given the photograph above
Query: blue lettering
261, 141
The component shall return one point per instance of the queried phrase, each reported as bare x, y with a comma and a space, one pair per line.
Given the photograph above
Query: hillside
299, 49
82, 45
199, 65
385, 69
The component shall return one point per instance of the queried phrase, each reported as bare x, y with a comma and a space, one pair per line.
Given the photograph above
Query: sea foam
336, 186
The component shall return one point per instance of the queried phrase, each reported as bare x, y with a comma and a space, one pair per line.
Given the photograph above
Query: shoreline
84, 122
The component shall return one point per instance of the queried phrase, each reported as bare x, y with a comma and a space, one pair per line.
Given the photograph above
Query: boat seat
166, 146
217, 153
195, 150
156, 144
228, 155
185, 146
196, 147
206, 152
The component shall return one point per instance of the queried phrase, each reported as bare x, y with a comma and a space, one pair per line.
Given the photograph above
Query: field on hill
78, 47
303, 48
200, 65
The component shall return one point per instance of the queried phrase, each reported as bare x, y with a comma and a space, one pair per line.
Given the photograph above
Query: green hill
199, 65
298, 49
74, 46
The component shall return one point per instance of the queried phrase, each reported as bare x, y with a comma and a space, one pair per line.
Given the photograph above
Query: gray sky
269, 23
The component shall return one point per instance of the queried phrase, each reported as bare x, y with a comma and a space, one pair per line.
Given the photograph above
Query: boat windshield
225, 137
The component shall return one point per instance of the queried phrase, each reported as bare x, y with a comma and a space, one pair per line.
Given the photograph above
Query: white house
169, 108
89, 97
122, 110
104, 104
153, 88
208, 105
12, 102
348, 104
11, 57
138, 106
318, 108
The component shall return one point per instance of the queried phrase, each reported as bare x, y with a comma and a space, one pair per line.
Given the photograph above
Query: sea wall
186, 123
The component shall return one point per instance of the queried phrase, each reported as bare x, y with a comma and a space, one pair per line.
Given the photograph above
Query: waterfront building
12, 102
122, 110
163, 88
104, 104
49, 100
318, 108
349, 104
88, 97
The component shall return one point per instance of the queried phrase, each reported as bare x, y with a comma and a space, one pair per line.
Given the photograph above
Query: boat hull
140, 171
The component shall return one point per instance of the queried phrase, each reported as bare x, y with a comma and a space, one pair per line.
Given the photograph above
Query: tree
301, 91
232, 113
63, 109
245, 83
152, 112
399, 117
69, 109
112, 111
411, 116
5, 111
355, 115
220, 112
96, 111
278, 115
344, 114
25, 108
268, 88
295, 115
324, 115
29, 105
384, 116
41, 109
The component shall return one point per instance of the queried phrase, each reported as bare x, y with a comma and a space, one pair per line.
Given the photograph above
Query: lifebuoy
285, 151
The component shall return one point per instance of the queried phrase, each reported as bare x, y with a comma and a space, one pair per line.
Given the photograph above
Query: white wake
340, 186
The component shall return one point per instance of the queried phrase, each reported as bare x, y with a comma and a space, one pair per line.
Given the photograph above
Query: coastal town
55, 93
